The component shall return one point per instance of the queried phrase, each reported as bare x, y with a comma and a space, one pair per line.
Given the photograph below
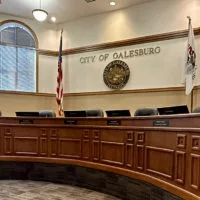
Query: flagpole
59, 89
192, 92
191, 106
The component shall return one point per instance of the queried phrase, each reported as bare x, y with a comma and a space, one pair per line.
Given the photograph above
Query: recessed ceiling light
112, 3
53, 19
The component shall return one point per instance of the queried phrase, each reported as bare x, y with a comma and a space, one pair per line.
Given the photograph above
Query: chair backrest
47, 113
196, 110
94, 113
146, 112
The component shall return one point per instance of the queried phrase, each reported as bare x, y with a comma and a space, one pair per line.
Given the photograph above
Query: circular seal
116, 74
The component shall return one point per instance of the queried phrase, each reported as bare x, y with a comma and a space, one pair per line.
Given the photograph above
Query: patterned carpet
32, 190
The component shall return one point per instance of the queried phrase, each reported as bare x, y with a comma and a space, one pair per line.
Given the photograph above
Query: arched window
17, 58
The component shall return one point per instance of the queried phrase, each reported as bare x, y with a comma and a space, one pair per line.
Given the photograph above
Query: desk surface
182, 120
162, 150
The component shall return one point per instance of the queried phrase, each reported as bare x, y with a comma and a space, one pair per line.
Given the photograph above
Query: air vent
89, 1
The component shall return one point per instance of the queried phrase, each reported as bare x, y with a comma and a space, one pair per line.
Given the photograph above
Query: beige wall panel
10, 103
196, 98
130, 101
47, 74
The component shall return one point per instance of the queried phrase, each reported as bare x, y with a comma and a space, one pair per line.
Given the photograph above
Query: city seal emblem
116, 74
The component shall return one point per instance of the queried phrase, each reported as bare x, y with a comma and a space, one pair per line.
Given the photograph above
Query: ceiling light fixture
39, 14
112, 3
53, 19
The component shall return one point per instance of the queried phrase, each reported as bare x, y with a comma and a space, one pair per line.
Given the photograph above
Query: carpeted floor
33, 190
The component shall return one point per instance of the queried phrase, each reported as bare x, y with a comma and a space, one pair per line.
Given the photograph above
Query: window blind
17, 58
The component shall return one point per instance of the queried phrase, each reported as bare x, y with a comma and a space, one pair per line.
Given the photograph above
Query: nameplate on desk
161, 122
114, 122
26, 121
67, 121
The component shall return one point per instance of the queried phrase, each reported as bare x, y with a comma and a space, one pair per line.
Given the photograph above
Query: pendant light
39, 14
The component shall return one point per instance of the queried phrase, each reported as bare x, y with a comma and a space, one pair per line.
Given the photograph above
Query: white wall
155, 17
160, 16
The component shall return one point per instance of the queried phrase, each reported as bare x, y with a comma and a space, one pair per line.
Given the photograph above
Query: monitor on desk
27, 114
74, 113
118, 113
173, 110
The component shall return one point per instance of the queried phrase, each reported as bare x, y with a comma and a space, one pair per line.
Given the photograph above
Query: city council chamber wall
155, 80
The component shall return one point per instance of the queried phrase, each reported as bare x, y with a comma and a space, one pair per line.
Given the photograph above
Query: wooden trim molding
168, 89
27, 93
122, 43
47, 52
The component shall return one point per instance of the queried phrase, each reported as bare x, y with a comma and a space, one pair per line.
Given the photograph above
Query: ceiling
63, 10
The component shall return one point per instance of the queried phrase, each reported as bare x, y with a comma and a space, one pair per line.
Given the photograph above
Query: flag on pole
59, 89
190, 68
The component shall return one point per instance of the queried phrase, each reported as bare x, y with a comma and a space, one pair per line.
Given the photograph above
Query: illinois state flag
59, 89
190, 67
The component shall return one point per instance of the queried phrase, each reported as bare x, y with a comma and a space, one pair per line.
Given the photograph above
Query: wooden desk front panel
172, 156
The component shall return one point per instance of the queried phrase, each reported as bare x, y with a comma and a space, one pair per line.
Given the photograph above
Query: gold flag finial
189, 18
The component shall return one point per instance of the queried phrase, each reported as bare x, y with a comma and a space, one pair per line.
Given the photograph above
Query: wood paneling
112, 153
129, 149
8, 141
140, 157
26, 146
179, 174
69, 148
86, 144
43, 146
53, 147
53, 143
160, 161
166, 156
96, 135
181, 141
140, 137
7, 145
129, 152
194, 171
95, 150
130, 137
196, 143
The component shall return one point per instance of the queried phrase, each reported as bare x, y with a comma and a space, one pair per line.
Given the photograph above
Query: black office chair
196, 110
146, 112
47, 113
94, 113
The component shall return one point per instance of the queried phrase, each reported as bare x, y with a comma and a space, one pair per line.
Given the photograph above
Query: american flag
59, 89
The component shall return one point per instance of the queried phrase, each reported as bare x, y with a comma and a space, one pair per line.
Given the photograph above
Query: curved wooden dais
163, 150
